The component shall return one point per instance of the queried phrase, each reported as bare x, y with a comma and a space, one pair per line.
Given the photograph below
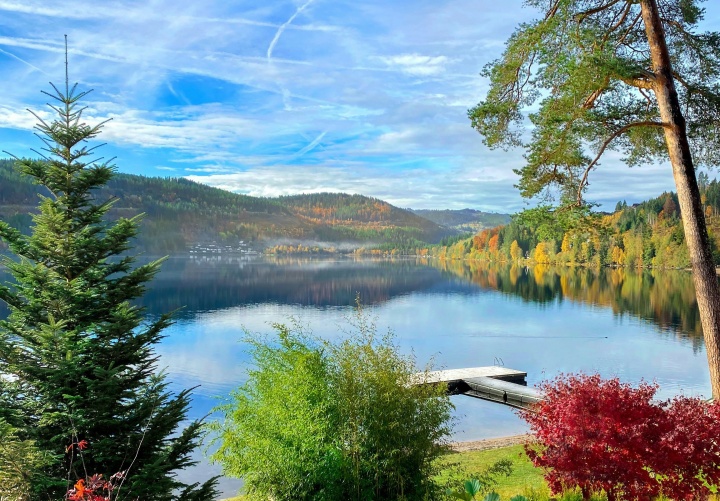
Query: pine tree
634, 76
78, 351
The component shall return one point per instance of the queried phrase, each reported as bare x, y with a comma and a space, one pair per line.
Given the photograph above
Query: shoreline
491, 443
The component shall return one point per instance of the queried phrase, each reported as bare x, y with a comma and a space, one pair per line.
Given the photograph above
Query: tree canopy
586, 66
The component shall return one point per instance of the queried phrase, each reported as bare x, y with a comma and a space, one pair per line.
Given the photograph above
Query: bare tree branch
553, 10
621, 40
624, 16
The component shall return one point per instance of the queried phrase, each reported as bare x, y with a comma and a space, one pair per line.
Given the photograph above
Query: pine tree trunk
693, 218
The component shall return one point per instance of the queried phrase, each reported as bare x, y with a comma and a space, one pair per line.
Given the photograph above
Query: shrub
333, 420
19, 462
689, 458
604, 435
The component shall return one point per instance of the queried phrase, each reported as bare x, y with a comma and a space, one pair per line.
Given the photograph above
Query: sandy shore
490, 443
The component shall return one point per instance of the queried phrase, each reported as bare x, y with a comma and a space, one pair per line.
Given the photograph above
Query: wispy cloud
282, 97
283, 27
312, 145
285, 92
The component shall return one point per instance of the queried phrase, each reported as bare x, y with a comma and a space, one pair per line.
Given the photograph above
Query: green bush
19, 462
328, 420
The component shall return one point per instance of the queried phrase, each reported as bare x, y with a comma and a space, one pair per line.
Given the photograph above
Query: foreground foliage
604, 435
333, 420
76, 355
19, 460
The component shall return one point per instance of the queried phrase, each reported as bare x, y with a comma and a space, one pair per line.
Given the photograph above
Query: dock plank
494, 371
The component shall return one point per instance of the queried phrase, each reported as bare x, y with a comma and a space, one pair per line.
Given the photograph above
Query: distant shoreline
491, 443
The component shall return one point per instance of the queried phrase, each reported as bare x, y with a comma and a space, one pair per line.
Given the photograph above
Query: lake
632, 324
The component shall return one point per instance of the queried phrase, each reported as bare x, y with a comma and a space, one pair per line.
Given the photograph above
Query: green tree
629, 75
328, 420
78, 352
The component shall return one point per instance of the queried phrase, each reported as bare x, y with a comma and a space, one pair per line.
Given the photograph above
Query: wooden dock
494, 383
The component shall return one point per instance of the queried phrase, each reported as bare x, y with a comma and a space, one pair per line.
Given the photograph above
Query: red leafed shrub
690, 452
600, 434
95, 488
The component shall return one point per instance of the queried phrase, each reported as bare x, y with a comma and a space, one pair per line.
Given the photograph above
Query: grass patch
525, 478
461, 466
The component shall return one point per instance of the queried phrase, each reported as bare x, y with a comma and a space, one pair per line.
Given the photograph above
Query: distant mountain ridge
180, 213
464, 220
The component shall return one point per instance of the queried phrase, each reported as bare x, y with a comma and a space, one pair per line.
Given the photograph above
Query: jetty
494, 383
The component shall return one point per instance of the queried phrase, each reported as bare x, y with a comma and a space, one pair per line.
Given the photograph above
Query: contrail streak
312, 144
23, 61
283, 26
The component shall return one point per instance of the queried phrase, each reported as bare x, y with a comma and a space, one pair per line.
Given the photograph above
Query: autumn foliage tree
76, 352
515, 251
604, 435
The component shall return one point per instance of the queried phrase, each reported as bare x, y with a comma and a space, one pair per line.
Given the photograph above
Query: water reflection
664, 297
196, 285
199, 284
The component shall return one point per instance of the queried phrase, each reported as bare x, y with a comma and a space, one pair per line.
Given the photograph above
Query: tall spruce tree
77, 350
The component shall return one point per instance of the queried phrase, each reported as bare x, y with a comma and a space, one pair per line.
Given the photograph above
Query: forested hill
647, 234
181, 213
464, 220
341, 210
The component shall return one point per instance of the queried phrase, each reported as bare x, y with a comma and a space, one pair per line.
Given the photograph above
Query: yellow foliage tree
618, 255
516, 252
565, 246
541, 253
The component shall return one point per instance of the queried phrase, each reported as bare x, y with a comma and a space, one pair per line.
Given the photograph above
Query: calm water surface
635, 325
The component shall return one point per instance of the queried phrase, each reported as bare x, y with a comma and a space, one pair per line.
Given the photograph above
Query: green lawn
524, 477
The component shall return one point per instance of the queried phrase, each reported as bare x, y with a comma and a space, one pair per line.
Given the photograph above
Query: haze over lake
635, 325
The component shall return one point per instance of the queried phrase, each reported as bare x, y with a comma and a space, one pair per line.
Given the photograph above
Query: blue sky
280, 97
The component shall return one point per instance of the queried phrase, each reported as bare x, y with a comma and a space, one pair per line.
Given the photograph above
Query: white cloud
417, 188
15, 117
416, 64
190, 129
